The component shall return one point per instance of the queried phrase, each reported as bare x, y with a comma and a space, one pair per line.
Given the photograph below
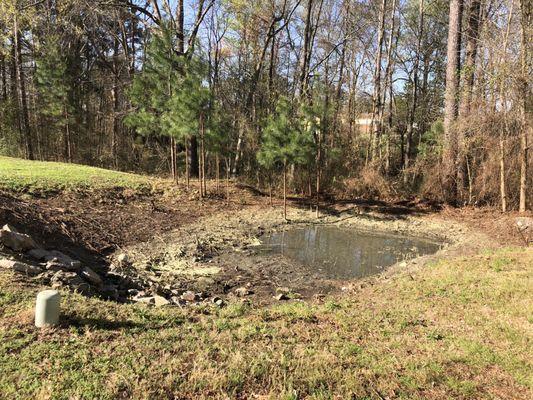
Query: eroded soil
179, 241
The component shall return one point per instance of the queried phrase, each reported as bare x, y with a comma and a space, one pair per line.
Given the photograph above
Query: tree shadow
358, 207
70, 320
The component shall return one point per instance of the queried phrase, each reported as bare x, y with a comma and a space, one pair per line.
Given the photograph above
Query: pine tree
53, 88
285, 142
169, 95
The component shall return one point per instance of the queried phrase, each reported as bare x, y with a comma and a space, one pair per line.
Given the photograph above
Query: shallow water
340, 253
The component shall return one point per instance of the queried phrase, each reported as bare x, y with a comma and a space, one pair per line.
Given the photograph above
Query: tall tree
526, 104
451, 97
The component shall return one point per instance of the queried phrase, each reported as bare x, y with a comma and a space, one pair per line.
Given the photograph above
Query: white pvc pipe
47, 308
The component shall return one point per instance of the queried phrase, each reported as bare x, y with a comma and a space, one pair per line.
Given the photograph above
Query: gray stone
189, 296
38, 254
90, 276
62, 258
21, 267
123, 258
218, 301
70, 279
177, 300
110, 291
16, 241
281, 296
160, 301
7, 264
27, 269
524, 223
146, 300
243, 291
55, 266
155, 300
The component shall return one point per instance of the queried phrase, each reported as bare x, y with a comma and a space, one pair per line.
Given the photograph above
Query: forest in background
385, 98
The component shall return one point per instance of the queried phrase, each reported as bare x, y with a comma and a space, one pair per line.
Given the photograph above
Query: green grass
460, 329
20, 175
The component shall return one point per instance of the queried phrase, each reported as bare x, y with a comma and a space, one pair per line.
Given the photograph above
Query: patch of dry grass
458, 328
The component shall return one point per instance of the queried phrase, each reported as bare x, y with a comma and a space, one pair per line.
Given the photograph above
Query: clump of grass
20, 175
460, 329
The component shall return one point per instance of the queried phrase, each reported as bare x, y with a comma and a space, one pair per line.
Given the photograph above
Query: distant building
364, 122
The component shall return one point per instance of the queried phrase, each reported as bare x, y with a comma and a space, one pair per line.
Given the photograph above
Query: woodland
377, 99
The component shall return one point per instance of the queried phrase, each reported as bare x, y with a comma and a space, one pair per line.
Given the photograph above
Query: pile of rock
51, 267
120, 281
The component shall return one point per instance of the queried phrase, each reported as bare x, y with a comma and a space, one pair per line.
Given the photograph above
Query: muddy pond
343, 253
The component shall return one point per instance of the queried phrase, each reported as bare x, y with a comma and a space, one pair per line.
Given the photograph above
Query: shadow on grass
69, 321
99, 323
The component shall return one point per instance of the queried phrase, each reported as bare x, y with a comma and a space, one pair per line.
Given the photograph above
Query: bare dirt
207, 246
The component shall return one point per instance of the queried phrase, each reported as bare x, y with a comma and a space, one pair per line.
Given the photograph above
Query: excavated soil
179, 241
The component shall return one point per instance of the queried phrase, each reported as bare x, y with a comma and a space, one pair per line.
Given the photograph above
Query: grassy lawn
36, 176
459, 328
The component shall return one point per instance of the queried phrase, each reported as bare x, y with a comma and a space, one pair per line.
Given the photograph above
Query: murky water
340, 253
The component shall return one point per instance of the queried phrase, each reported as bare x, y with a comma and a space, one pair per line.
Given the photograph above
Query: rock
156, 300
177, 300
123, 258
65, 260
110, 292
218, 301
55, 266
27, 269
38, 254
70, 279
16, 241
160, 301
189, 296
243, 291
524, 223
90, 276
146, 300
21, 267
281, 296
7, 264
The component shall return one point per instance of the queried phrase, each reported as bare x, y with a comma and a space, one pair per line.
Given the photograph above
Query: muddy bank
180, 246
216, 255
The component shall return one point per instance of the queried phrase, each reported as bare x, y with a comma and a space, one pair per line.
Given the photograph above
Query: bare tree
450, 96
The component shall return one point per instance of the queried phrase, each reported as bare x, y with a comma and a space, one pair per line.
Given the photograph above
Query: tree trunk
68, 141
503, 100
503, 190
187, 169
3, 72
228, 165
526, 104
21, 91
376, 98
270, 189
414, 94
304, 57
218, 173
472, 33
285, 189
388, 84
450, 98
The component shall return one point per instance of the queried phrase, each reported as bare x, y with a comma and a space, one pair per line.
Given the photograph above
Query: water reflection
344, 253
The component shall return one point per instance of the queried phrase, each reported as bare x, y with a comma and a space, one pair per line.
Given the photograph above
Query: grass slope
457, 329
36, 176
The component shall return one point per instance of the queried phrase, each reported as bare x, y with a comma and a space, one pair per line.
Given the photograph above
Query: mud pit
219, 254
341, 253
